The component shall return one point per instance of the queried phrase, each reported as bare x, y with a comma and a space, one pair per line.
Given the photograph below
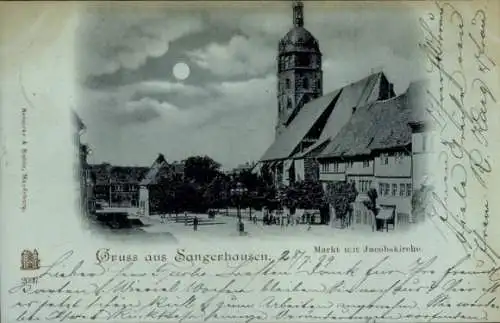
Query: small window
402, 188
408, 189
381, 189
394, 189
366, 163
335, 167
287, 82
387, 188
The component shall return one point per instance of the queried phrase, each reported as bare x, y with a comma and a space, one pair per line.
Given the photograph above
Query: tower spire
298, 14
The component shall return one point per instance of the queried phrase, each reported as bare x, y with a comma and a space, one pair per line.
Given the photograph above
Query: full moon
181, 71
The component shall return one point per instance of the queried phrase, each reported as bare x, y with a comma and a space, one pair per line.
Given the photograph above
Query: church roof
375, 126
353, 96
298, 39
350, 96
292, 135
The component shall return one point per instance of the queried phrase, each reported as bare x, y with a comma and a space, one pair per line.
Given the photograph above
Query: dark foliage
341, 195
371, 203
201, 169
420, 199
304, 195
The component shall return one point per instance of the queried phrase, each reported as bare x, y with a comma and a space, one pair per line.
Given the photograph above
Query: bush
420, 199
341, 195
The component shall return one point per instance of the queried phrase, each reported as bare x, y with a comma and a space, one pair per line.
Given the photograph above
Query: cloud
164, 91
121, 38
399, 71
240, 56
226, 116
140, 111
211, 113
341, 34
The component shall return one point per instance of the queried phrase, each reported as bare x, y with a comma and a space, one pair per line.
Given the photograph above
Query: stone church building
300, 76
307, 119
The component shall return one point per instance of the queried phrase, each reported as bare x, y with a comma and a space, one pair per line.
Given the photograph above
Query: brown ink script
295, 285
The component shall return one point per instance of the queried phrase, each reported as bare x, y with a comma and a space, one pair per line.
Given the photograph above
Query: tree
371, 204
201, 169
420, 200
215, 192
249, 179
341, 195
305, 195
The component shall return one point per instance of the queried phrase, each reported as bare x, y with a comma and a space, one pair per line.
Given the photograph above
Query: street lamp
238, 192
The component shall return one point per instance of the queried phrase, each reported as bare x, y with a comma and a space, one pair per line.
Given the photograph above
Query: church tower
300, 78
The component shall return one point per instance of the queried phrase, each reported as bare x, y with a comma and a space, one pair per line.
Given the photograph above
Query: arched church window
305, 83
288, 62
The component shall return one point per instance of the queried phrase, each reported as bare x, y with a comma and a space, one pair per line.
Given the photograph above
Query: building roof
353, 95
292, 135
77, 121
314, 149
345, 99
378, 125
298, 39
243, 167
105, 174
151, 176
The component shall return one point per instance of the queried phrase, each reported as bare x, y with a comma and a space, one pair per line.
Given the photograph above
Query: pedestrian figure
241, 228
185, 218
288, 220
162, 218
195, 223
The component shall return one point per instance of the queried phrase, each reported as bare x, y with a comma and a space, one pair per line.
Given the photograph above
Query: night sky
135, 106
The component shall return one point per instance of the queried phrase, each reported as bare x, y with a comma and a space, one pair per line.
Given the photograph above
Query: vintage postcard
219, 161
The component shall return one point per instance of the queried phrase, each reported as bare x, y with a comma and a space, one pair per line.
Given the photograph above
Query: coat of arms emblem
30, 260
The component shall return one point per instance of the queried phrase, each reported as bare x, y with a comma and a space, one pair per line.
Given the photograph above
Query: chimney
353, 109
161, 158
